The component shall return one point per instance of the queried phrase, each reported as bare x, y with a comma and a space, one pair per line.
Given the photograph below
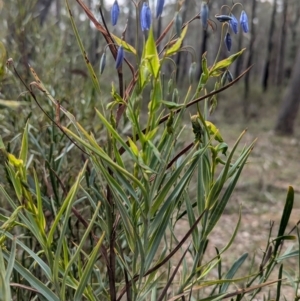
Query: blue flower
115, 13
145, 17
223, 18
228, 41
234, 24
244, 21
159, 7
204, 14
120, 57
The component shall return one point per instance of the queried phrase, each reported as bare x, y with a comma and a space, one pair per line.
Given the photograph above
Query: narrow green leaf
216, 70
285, 237
125, 45
33, 281
78, 251
88, 270
44, 267
176, 46
172, 105
115, 134
232, 271
119, 193
233, 234
192, 219
66, 203
218, 209
171, 181
11, 261
5, 293
64, 213
285, 216
217, 187
150, 55
24, 145
98, 151
2, 57
161, 220
292, 282
40, 213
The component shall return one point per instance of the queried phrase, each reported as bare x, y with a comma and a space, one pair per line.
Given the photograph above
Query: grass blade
285, 217
88, 270
33, 281
230, 274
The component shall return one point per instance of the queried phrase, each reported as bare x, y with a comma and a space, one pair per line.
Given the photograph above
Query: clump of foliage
111, 233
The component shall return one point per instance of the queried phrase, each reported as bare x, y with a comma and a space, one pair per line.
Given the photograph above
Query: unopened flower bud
159, 7
204, 14
102, 62
178, 24
228, 41
234, 24
229, 76
145, 17
192, 72
223, 18
115, 13
244, 21
120, 57
197, 129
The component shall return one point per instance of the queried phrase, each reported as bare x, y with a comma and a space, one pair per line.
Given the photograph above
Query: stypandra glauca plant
113, 232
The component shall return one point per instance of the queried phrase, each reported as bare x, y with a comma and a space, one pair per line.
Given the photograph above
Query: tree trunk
294, 30
280, 57
291, 101
58, 11
43, 8
250, 56
266, 71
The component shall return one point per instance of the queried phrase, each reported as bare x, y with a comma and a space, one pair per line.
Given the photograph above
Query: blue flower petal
120, 57
244, 21
115, 11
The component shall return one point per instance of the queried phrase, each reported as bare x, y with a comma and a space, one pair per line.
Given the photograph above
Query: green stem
221, 43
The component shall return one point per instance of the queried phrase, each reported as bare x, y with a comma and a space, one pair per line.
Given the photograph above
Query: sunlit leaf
216, 70
176, 46
125, 45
